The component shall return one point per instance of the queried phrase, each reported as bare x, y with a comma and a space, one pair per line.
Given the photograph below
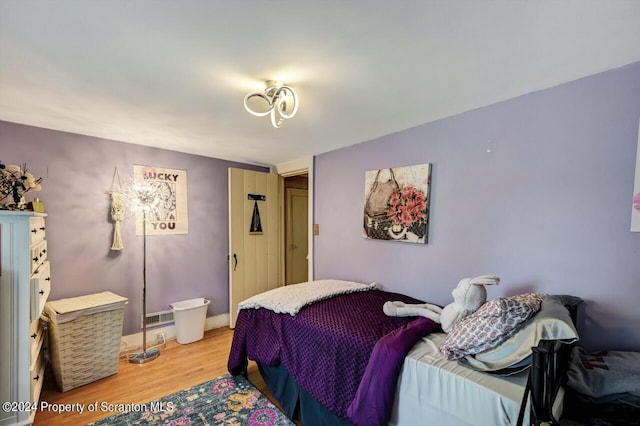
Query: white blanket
291, 298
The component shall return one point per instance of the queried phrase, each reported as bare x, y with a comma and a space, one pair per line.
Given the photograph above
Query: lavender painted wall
548, 209
78, 171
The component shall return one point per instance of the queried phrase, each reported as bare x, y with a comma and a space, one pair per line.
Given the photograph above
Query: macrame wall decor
117, 209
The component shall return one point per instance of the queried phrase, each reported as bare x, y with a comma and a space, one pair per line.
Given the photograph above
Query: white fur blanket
291, 298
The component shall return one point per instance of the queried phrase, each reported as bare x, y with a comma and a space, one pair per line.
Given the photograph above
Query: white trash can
189, 316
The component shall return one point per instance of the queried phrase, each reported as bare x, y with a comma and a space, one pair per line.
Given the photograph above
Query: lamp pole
144, 280
151, 354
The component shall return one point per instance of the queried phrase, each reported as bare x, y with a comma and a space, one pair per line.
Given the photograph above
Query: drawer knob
42, 228
34, 335
34, 230
48, 279
36, 378
35, 259
41, 292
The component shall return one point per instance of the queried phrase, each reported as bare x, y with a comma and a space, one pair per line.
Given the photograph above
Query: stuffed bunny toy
401, 309
468, 296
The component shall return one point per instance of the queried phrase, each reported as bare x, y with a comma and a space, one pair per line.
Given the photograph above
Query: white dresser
25, 283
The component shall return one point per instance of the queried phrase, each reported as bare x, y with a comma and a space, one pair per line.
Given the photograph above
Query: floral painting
396, 204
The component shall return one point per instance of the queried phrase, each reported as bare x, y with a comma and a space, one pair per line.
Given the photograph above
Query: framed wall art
635, 208
396, 204
167, 193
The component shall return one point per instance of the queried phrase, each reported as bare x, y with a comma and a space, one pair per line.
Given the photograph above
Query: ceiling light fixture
281, 103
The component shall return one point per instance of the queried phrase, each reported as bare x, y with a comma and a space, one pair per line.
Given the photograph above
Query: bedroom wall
547, 209
77, 172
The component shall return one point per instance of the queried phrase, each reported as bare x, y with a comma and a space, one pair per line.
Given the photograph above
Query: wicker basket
84, 336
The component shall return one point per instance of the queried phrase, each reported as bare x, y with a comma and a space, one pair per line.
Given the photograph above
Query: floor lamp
146, 198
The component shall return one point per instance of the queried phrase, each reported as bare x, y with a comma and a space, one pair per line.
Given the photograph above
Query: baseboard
132, 341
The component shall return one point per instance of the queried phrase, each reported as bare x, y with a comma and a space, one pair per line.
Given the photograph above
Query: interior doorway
296, 229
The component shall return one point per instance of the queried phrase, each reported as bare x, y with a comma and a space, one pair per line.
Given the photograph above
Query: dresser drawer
36, 229
38, 254
36, 374
40, 289
36, 338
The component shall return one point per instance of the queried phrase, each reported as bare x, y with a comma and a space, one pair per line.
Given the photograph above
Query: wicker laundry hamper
84, 337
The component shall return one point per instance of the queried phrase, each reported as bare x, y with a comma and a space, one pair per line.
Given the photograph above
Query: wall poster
167, 212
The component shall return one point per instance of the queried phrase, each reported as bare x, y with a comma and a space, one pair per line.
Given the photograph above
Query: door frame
294, 168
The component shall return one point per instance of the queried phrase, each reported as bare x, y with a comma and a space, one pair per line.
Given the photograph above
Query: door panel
254, 259
296, 219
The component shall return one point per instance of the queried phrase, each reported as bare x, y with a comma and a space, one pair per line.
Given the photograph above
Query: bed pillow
492, 324
551, 323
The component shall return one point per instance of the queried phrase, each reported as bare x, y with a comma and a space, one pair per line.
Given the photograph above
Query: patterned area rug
226, 400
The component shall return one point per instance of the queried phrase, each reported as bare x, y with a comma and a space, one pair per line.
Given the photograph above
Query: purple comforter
343, 351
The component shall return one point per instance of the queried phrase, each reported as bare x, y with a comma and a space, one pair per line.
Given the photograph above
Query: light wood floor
178, 367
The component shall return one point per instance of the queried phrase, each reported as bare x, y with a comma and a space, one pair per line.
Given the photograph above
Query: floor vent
158, 318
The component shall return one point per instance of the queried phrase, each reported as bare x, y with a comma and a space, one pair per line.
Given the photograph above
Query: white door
254, 251
296, 236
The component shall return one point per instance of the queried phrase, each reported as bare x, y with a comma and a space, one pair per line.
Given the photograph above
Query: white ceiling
173, 73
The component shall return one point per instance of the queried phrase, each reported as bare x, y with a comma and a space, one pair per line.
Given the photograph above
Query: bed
337, 359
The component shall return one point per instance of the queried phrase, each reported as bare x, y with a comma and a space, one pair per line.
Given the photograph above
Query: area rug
226, 400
